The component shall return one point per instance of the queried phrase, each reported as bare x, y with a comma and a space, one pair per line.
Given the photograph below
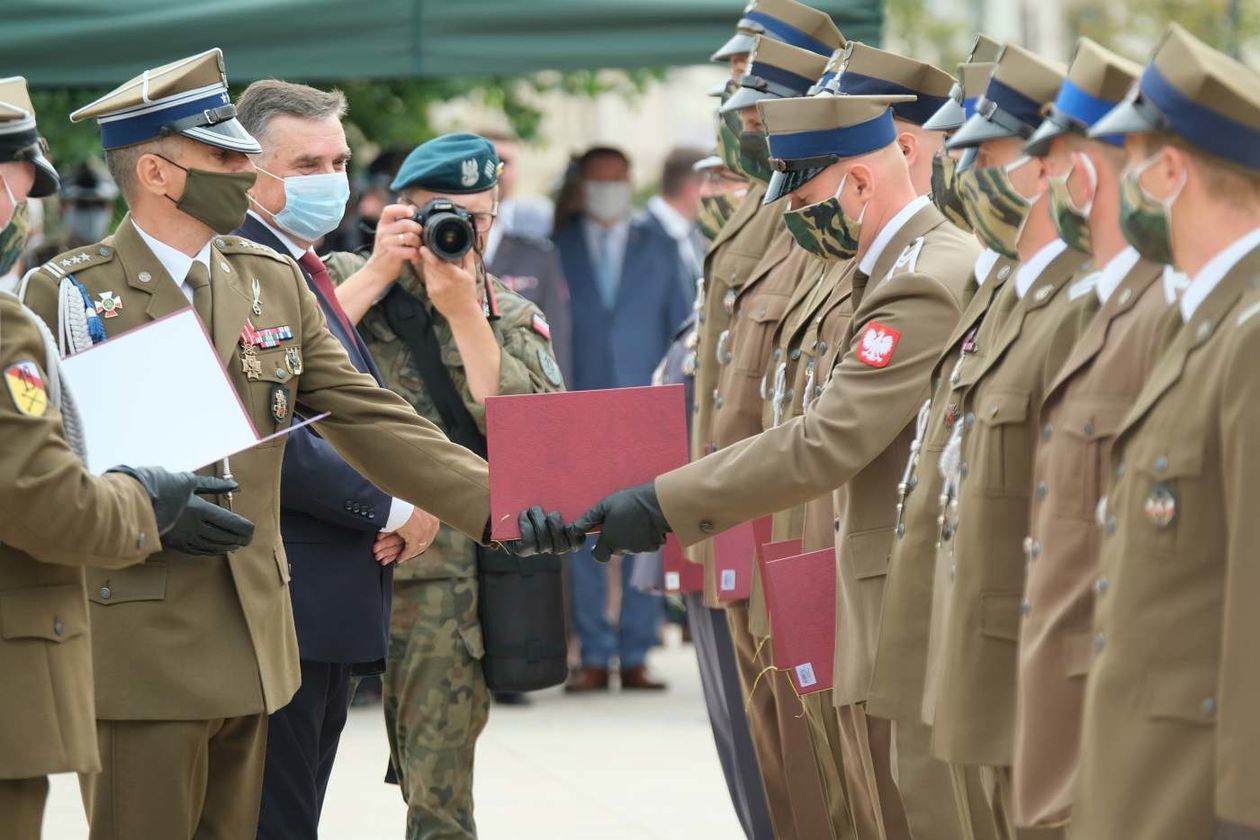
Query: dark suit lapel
145, 273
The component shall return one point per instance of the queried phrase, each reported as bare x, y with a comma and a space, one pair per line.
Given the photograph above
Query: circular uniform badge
549, 367
1161, 506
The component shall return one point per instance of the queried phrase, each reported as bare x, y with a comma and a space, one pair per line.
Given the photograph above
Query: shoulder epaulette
241, 245
78, 259
1083, 286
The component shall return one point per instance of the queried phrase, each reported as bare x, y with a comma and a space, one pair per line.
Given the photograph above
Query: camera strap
411, 322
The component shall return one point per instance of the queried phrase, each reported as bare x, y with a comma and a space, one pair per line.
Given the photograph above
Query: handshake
630, 521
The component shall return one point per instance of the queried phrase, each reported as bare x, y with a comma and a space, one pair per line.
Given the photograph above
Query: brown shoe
638, 679
587, 679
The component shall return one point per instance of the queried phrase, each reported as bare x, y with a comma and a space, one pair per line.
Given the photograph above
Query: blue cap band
1014, 103
1205, 128
128, 130
969, 107
779, 76
1076, 103
917, 112
787, 33
844, 142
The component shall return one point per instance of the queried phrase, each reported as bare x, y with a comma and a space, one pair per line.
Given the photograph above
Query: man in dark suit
340, 532
626, 283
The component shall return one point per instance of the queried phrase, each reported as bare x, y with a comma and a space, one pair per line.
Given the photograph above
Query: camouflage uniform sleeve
341, 264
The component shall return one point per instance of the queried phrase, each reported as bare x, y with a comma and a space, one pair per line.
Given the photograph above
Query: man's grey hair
268, 98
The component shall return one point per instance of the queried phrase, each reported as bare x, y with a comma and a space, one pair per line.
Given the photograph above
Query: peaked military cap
866, 71
459, 164
808, 134
1021, 85
19, 138
775, 70
188, 97
951, 115
1197, 93
788, 21
1097, 80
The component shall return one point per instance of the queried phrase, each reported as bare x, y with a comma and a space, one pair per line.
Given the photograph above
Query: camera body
448, 229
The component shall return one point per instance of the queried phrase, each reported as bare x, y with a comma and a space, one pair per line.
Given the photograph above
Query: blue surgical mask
313, 204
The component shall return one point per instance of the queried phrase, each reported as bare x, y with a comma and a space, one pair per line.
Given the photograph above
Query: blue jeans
601, 642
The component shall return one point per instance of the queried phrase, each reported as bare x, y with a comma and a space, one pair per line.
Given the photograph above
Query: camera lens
448, 236
451, 237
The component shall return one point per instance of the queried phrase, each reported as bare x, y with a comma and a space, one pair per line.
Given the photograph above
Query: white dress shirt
176, 263
1114, 271
984, 264
867, 264
681, 230
1029, 272
617, 235
1211, 275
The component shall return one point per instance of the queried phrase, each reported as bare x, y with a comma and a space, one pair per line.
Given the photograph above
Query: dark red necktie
319, 276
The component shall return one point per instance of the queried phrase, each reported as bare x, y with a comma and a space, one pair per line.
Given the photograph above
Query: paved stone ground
615, 767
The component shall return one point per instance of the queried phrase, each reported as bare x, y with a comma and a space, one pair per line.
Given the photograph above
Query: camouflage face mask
14, 237
994, 206
754, 156
1146, 221
824, 230
945, 191
729, 129
1070, 221
715, 212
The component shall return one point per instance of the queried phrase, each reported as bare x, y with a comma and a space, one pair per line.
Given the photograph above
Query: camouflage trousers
436, 703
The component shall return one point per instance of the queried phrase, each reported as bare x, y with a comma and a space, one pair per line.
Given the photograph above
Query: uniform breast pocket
1003, 447
1166, 482
756, 333
1077, 474
52, 613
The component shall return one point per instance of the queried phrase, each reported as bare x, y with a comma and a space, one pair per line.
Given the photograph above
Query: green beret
453, 163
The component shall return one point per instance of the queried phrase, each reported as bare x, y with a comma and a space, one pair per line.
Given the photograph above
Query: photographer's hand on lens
631, 520
397, 242
544, 533
187, 522
452, 287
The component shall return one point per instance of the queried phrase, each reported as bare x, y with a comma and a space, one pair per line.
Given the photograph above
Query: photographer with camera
446, 335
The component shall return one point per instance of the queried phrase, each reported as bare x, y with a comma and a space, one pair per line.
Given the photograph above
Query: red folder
734, 553
775, 551
801, 599
567, 451
682, 577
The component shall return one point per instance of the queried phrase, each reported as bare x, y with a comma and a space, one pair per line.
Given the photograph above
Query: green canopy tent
81, 43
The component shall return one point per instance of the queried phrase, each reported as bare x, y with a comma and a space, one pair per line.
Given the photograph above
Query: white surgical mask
313, 204
607, 201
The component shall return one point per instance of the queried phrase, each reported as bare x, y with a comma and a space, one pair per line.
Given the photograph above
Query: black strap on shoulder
410, 321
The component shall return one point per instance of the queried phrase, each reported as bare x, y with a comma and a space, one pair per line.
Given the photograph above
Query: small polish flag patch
878, 344
541, 326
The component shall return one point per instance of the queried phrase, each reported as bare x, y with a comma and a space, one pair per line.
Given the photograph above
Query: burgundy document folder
734, 553
567, 451
801, 598
775, 551
682, 577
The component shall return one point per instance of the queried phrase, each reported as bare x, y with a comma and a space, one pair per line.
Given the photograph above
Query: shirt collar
1029, 271
674, 223
1116, 269
984, 265
886, 234
175, 262
297, 251
1211, 275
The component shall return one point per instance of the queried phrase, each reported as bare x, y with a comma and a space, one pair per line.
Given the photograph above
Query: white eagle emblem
878, 343
468, 173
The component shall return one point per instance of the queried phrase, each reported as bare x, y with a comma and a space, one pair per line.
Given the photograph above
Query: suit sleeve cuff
399, 513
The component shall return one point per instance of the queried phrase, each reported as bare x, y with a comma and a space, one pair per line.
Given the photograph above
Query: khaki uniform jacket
896, 690
1081, 411
195, 638
1170, 741
55, 519
901, 319
974, 693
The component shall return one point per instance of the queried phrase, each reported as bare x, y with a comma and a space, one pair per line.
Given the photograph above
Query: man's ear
863, 177
909, 145
157, 176
1174, 166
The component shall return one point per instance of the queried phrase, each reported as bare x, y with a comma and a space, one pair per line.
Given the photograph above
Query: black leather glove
187, 522
544, 533
632, 522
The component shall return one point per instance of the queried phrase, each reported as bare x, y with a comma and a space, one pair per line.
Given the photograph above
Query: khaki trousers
984, 806
780, 737
177, 779
824, 736
22, 807
866, 751
925, 784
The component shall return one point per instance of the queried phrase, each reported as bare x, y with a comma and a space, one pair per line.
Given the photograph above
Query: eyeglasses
483, 221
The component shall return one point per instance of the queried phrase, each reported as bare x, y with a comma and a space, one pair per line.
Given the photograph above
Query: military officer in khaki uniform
59, 519
191, 654
1083, 405
1170, 733
970, 692
904, 303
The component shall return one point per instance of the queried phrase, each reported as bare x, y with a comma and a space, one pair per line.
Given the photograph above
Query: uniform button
1100, 586
219, 243
1034, 549
371, 514
706, 526
1042, 489
1028, 545
349, 505
104, 593
822, 347
795, 354
140, 540
1208, 706
1089, 428
1025, 608
144, 277
103, 251
777, 354
1111, 525
58, 628
718, 402
901, 530
1046, 431
953, 570
969, 420
1100, 642
1161, 464
913, 483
